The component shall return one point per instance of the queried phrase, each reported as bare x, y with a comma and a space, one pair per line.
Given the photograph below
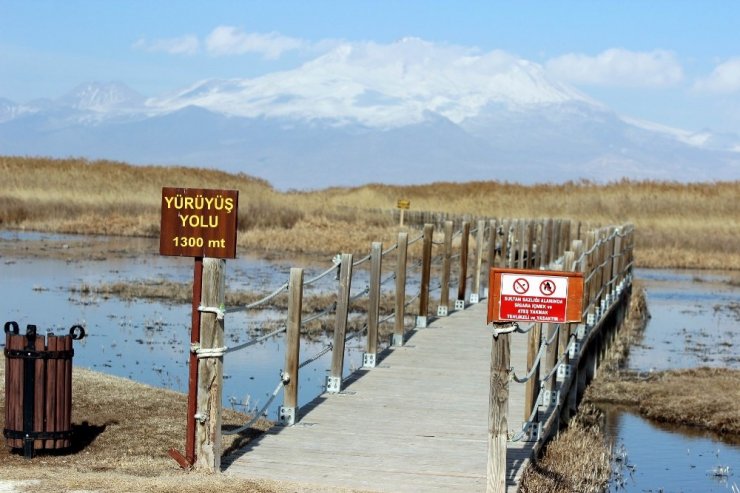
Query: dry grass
679, 225
578, 459
631, 332
701, 397
123, 431
313, 303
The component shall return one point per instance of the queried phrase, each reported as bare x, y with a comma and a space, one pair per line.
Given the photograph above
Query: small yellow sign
404, 204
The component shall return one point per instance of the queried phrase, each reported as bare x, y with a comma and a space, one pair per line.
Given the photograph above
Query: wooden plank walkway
416, 423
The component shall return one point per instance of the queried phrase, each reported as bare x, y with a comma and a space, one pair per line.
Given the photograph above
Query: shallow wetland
694, 323
45, 279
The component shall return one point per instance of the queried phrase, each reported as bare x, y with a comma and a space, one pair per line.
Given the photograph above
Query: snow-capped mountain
103, 98
408, 112
382, 86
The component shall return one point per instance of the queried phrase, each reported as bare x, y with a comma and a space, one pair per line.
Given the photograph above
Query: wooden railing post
534, 337
555, 243
540, 235
577, 247
463, 279
288, 413
492, 234
426, 273
400, 309
531, 230
444, 297
505, 239
498, 410
210, 368
479, 240
565, 236
334, 380
546, 244
521, 237
376, 263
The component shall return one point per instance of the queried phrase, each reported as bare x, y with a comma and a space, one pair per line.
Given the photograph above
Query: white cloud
619, 67
228, 40
725, 78
184, 45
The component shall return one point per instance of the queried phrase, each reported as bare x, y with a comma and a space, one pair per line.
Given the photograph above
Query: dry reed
679, 225
578, 459
700, 397
123, 431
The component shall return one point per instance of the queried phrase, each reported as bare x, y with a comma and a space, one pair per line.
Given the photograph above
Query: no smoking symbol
547, 287
521, 285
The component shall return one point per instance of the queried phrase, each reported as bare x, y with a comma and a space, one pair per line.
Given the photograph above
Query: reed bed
699, 397
123, 431
693, 225
578, 459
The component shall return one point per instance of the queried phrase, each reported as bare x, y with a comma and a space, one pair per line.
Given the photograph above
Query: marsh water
695, 321
148, 340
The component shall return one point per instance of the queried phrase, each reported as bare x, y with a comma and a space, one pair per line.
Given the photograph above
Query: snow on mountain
406, 112
10, 110
103, 98
382, 86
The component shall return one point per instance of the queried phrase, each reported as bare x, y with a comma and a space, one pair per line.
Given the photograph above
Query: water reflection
148, 341
649, 457
693, 324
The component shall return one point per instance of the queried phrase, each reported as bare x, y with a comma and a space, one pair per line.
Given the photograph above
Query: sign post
197, 222
520, 295
403, 205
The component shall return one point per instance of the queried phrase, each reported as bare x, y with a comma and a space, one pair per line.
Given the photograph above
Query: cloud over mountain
619, 67
406, 112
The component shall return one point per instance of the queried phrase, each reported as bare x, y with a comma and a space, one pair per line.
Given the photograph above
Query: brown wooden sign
535, 296
198, 222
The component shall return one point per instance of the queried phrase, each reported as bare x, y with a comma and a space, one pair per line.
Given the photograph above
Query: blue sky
672, 62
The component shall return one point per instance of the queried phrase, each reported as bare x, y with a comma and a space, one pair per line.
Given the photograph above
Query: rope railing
543, 345
418, 238
261, 301
389, 250
362, 260
595, 300
330, 270
256, 340
257, 414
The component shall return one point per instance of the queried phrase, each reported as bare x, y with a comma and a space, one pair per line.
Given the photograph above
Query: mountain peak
102, 97
383, 86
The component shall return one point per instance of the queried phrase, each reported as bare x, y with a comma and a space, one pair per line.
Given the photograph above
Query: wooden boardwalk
415, 423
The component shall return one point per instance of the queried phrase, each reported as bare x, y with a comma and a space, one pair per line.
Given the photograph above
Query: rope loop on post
214, 352
220, 311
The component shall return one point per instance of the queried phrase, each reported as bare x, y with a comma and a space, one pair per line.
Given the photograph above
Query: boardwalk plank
417, 422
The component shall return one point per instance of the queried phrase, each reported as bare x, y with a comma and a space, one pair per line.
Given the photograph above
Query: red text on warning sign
533, 297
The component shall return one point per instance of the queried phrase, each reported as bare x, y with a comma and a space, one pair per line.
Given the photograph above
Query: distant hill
410, 112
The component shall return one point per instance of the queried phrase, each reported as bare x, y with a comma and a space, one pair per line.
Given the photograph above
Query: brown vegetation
576, 460
679, 225
123, 431
701, 397
579, 458
313, 303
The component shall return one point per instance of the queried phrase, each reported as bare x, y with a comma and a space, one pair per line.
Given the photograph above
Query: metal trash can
38, 389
